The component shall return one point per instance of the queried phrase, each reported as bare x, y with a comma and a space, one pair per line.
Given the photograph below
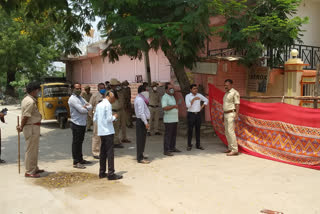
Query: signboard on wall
258, 79
205, 68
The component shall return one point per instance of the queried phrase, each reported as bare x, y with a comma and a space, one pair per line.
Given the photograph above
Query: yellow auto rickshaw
53, 102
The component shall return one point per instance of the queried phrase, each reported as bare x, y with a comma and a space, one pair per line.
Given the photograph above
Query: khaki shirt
30, 109
94, 100
230, 99
154, 98
120, 102
116, 105
86, 96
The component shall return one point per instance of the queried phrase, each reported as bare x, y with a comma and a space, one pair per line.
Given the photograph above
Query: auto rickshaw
53, 102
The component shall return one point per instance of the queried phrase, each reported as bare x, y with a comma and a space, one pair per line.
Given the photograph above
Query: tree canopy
177, 27
29, 42
262, 25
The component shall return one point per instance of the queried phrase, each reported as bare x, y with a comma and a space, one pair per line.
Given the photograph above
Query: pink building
92, 68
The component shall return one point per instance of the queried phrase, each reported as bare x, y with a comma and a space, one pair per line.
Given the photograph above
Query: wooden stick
18, 145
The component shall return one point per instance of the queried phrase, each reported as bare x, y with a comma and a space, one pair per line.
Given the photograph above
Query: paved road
191, 182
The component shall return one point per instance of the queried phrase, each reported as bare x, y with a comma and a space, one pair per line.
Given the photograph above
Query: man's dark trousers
78, 133
170, 136
141, 133
106, 151
194, 120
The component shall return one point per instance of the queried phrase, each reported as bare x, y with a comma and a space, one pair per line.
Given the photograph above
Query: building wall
310, 8
275, 87
96, 69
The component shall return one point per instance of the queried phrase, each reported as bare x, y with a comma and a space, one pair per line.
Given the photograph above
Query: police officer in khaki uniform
154, 107
94, 100
117, 107
86, 94
128, 107
231, 105
30, 125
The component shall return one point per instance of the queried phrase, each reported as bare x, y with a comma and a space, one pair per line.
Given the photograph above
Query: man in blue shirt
170, 120
143, 114
79, 112
104, 119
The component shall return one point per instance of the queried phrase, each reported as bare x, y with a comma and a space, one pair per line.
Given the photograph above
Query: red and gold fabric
275, 131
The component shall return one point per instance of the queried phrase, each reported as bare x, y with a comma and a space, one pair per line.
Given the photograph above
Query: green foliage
34, 33
262, 25
178, 27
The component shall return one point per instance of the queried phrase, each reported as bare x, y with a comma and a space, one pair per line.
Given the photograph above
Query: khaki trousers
123, 121
129, 116
116, 125
31, 134
154, 119
89, 123
229, 125
96, 141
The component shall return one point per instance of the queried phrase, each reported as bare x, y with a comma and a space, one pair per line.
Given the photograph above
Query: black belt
115, 110
153, 106
227, 112
194, 112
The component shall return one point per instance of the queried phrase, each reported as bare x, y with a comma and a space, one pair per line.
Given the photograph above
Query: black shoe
200, 147
168, 153
189, 148
145, 158
157, 133
78, 166
2, 161
85, 162
96, 157
115, 177
148, 134
104, 175
175, 150
118, 146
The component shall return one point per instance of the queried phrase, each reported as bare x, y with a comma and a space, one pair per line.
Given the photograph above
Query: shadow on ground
55, 144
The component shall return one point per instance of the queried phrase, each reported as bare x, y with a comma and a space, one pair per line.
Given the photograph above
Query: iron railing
308, 54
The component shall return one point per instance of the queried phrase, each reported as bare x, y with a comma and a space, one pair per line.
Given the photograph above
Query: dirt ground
189, 182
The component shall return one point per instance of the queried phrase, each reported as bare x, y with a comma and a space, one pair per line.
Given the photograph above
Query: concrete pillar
292, 77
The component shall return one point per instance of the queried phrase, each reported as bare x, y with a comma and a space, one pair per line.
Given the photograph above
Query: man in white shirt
79, 109
193, 103
104, 119
143, 114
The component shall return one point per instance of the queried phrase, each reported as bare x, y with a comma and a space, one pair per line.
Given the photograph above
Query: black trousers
170, 136
106, 151
78, 133
141, 133
194, 120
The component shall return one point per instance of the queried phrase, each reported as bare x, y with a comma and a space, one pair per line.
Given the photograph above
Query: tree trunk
11, 76
147, 66
179, 72
182, 79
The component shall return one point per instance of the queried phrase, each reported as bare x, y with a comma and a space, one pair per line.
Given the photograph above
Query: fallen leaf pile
65, 179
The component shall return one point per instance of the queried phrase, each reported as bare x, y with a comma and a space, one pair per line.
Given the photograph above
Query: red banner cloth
274, 131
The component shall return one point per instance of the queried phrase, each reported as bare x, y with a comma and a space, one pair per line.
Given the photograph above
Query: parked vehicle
53, 102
